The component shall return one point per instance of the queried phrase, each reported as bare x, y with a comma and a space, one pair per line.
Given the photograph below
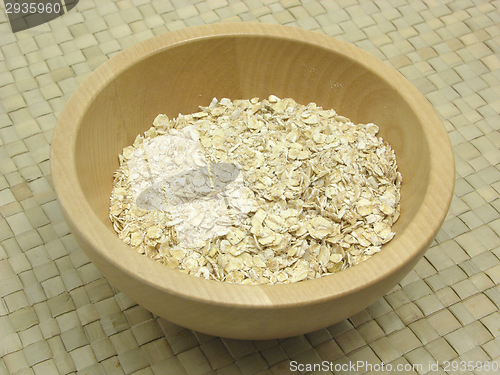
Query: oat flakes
257, 192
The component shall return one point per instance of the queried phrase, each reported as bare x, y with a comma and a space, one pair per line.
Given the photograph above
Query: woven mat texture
58, 315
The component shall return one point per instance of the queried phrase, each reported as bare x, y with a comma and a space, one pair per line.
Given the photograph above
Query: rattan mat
58, 315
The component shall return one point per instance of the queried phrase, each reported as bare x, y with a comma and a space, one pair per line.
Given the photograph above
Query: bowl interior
180, 78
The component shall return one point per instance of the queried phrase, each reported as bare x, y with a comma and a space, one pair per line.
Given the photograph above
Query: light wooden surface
180, 71
445, 309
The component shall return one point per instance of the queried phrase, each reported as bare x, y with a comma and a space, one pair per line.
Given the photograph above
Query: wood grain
179, 71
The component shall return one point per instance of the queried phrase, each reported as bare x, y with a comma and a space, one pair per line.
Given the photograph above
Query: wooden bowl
179, 71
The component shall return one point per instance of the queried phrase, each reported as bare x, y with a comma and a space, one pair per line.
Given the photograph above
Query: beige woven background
58, 315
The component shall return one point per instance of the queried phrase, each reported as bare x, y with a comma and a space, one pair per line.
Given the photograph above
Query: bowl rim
418, 235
